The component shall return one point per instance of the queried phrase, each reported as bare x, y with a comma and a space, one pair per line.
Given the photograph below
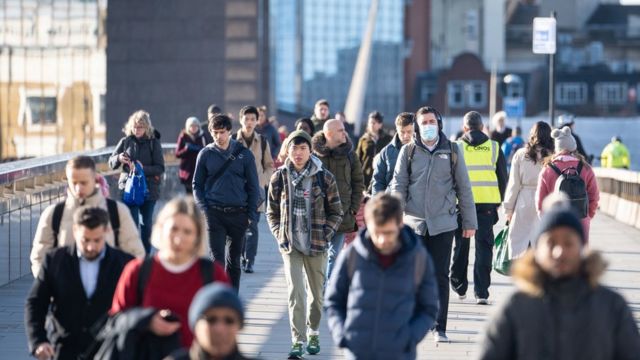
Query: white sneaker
481, 301
462, 297
440, 337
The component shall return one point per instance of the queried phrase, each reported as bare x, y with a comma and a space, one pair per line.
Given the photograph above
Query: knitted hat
298, 134
214, 296
559, 217
563, 140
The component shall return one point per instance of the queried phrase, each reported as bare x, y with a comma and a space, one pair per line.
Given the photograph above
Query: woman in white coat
520, 202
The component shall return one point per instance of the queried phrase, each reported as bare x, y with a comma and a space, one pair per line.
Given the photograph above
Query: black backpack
570, 183
114, 219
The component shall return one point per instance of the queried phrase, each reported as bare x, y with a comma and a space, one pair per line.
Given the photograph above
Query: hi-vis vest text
481, 163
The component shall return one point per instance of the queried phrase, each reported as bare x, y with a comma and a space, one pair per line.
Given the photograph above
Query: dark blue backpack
135, 189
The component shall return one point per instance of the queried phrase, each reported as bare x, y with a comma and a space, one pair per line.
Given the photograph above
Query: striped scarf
299, 207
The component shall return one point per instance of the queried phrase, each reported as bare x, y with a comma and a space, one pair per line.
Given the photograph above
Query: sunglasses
213, 320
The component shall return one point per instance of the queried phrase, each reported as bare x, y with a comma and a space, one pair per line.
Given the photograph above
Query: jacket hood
156, 135
474, 137
316, 165
364, 246
395, 142
530, 278
320, 148
95, 199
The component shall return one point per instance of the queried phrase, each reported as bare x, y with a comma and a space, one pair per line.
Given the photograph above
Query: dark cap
214, 296
298, 134
560, 217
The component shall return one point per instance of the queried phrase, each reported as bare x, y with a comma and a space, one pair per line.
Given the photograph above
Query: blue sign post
514, 106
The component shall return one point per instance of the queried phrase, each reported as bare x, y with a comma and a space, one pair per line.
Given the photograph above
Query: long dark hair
540, 144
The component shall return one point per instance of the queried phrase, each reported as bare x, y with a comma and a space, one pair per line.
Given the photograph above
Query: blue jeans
146, 210
250, 248
334, 249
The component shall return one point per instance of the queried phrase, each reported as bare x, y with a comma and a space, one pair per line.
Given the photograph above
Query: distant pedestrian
370, 144
340, 116
141, 145
304, 213
226, 187
615, 155
568, 163
55, 226
560, 310
283, 131
569, 120
259, 147
167, 281
488, 175
212, 110
382, 298
500, 132
431, 177
216, 316
268, 130
306, 125
190, 141
320, 114
520, 196
385, 162
75, 287
334, 148
511, 145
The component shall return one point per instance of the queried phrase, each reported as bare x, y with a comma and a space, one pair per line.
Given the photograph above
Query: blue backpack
135, 189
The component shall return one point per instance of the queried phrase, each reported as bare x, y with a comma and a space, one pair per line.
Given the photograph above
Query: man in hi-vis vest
488, 175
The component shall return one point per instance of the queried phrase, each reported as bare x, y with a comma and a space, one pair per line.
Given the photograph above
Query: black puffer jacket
149, 152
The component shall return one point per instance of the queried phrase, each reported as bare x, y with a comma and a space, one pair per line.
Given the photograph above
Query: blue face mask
429, 132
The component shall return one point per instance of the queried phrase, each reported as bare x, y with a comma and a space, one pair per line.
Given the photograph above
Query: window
477, 94
611, 93
467, 94
42, 110
455, 90
427, 91
571, 93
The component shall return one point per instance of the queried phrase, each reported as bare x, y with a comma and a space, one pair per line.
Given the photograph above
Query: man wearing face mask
431, 177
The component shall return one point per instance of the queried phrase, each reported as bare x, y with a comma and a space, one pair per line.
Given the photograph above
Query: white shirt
89, 271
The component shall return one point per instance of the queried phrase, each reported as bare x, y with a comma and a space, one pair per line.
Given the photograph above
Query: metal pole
552, 81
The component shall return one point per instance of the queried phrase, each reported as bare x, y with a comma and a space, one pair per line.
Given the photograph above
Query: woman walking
141, 145
190, 141
519, 199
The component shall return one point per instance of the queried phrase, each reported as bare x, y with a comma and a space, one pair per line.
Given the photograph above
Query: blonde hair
185, 206
500, 115
139, 117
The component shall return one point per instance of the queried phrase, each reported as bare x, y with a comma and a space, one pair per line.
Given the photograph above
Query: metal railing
620, 194
27, 187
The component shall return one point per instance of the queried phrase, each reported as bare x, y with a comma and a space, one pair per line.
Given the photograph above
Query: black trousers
227, 251
484, 254
439, 247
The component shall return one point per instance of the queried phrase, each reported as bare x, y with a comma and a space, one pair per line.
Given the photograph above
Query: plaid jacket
326, 209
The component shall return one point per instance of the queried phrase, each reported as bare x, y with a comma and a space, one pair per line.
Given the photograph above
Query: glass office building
314, 47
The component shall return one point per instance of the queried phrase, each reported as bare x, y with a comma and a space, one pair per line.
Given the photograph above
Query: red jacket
548, 177
187, 149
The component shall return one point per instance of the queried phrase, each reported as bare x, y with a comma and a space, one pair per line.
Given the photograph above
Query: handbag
501, 260
135, 188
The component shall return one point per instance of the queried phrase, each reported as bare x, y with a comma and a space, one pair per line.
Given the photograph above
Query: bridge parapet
620, 194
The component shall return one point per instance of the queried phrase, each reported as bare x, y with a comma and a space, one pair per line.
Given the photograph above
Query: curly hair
139, 117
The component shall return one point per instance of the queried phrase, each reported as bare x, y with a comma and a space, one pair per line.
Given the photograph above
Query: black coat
149, 153
74, 317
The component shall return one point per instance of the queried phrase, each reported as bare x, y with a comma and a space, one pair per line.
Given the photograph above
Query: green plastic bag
501, 260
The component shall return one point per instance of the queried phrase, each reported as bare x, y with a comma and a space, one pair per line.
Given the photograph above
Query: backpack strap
56, 220
226, 164
453, 160
411, 149
263, 147
206, 270
114, 218
143, 277
579, 169
555, 169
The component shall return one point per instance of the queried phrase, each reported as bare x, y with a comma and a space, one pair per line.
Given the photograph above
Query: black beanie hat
214, 296
557, 218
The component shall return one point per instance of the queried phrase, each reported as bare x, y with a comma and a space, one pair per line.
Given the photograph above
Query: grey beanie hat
563, 140
214, 296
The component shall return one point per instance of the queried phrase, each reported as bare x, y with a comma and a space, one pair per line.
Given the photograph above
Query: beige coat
520, 199
43, 241
264, 172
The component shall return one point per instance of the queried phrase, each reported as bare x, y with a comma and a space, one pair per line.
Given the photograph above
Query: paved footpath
267, 335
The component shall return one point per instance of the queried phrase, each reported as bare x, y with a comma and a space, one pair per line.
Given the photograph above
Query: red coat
188, 154
164, 290
547, 183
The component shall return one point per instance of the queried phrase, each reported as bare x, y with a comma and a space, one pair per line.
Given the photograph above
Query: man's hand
468, 233
44, 351
162, 327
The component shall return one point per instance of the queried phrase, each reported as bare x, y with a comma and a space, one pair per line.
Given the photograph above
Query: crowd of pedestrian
113, 283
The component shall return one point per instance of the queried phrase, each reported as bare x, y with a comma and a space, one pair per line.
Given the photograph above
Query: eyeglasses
213, 320
140, 127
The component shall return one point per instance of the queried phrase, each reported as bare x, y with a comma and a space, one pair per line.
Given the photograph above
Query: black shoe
248, 268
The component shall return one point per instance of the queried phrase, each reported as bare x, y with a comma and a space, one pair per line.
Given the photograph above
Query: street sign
514, 106
544, 35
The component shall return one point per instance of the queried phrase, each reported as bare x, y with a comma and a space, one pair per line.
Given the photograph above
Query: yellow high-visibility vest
481, 164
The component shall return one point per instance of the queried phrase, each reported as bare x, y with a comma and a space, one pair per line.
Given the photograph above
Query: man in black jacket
77, 282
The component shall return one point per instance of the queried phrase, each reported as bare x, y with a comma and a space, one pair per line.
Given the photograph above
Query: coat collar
364, 246
320, 148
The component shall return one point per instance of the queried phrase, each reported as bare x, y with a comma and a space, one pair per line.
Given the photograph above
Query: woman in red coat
565, 157
175, 273
190, 141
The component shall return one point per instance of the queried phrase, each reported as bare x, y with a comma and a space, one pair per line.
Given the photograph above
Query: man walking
487, 170
320, 114
370, 144
268, 131
388, 280
226, 187
333, 147
615, 155
385, 162
304, 212
76, 283
431, 177
55, 227
260, 149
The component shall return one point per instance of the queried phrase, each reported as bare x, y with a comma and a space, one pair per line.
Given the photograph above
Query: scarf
299, 207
